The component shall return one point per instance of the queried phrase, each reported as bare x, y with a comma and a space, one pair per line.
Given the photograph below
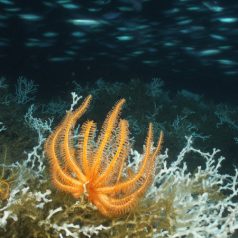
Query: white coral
198, 215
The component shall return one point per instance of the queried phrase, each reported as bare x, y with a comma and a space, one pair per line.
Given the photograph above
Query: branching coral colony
178, 204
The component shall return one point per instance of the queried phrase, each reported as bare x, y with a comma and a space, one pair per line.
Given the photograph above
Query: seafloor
29, 197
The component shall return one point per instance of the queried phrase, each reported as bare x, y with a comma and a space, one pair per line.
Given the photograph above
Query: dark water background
188, 44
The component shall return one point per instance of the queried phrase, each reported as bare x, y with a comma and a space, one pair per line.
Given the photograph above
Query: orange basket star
95, 167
